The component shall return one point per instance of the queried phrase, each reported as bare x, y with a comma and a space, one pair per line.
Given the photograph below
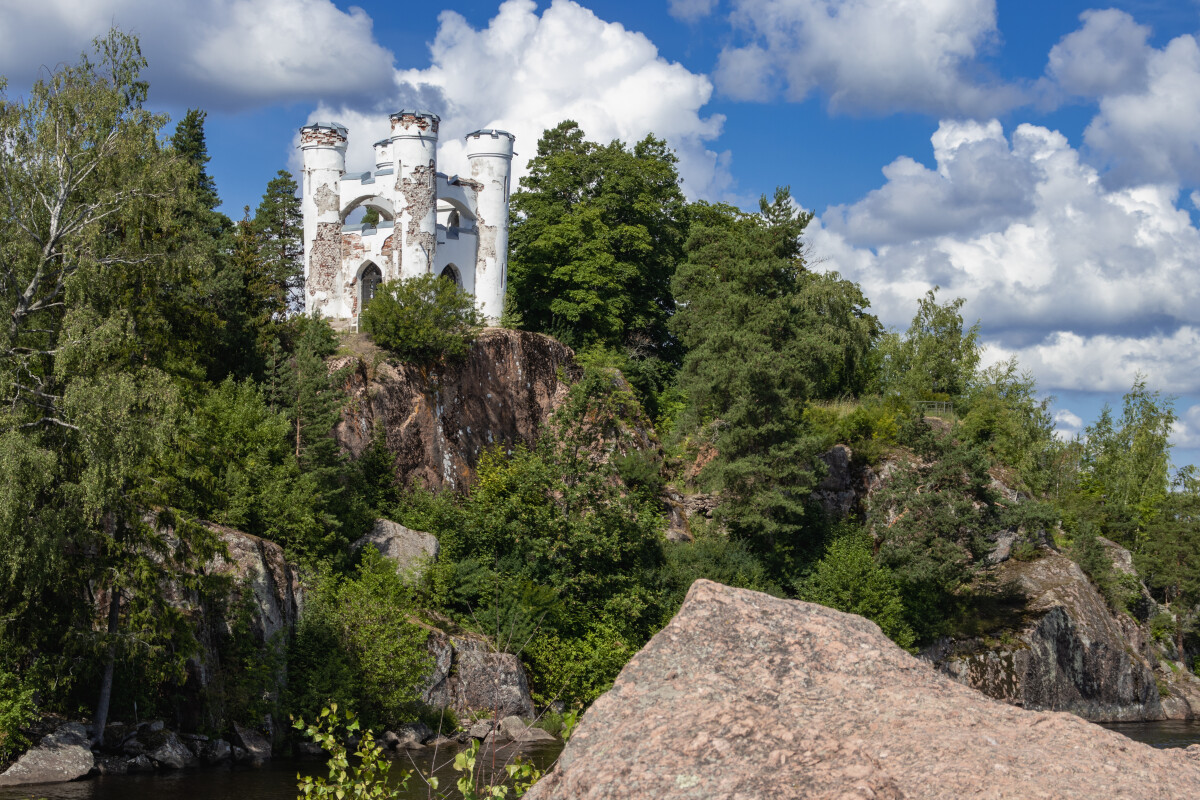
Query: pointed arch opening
452, 273
369, 278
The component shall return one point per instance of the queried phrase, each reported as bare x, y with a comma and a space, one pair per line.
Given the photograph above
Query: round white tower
323, 147
490, 154
383, 154
414, 151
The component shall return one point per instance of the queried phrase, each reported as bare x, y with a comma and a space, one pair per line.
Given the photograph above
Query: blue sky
1041, 160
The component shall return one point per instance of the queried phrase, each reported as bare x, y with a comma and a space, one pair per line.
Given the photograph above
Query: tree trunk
1179, 632
106, 682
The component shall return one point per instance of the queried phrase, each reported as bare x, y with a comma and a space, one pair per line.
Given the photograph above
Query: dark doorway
451, 273
371, 278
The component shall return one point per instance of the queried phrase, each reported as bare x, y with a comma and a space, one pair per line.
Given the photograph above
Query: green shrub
1026, 550
363, 777
423, 320
848, 579
1094, 560
576, 670
1162, 627
715, 558
17, 710
442, 720
356, 646
868, 426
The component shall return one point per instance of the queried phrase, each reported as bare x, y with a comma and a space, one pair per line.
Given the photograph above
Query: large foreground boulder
746, 696
61, 756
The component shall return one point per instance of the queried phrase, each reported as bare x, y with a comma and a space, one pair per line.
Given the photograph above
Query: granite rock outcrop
1070, 655
469, 676
410, 550
63, 755
438, 423
749, 696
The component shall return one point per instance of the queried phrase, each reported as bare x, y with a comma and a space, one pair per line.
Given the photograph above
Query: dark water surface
276, 780
1169, 733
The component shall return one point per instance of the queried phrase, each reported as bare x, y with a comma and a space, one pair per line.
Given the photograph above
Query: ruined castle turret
428, 222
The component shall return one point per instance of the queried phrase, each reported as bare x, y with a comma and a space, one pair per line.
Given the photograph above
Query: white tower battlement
428, 222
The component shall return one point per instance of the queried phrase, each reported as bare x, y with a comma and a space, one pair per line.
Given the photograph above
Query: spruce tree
279, 225
763, 337
189, 141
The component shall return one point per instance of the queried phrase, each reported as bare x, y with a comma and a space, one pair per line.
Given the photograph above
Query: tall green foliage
936, 358
763, 337
93, 252
848, 578
930, 519
356, 645
1003, 414
597, 231
1125, 466
424, 319
1169, 559
278, 288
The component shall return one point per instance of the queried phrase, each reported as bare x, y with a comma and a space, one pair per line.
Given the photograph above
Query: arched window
368, 284
451, 272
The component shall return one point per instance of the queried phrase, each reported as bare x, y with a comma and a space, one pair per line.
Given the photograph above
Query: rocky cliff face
438, 423
1062, 648
470, 676
265, 593
749, 696
1072, 653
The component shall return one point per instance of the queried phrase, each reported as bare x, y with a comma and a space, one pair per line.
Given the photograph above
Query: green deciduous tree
936, 358
356, 646
1125, 465
848, 578
1169, 560
1003, 413
597, 232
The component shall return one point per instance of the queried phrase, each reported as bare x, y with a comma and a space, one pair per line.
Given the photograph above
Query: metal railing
936, 408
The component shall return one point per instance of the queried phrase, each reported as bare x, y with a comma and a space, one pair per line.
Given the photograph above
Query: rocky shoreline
66, 754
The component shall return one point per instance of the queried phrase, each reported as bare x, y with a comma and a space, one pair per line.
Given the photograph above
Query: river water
1170, 733
277, 779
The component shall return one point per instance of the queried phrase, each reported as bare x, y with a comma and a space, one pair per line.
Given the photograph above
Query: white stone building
428, 222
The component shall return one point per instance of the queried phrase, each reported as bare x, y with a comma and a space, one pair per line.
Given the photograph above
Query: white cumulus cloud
1154, 133
873, 56
1107, 55
215, 53
527, 72
1067, 424
1086, 285
1185, 431
690, 10
1148, 123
